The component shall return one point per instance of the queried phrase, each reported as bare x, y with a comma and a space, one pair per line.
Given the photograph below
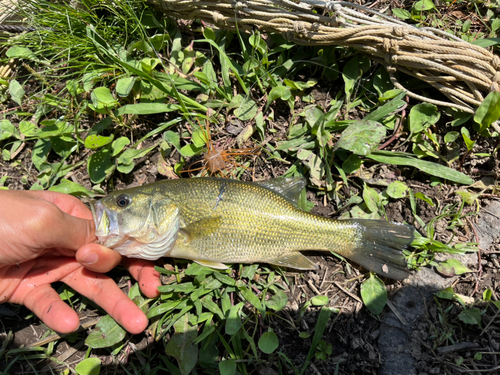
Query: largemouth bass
214, 221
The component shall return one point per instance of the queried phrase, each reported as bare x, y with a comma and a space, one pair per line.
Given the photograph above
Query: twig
479, 266
55, 337
396, 312
347, 292
490, 322
457, 347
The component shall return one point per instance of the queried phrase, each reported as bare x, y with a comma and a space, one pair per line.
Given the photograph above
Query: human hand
48, 237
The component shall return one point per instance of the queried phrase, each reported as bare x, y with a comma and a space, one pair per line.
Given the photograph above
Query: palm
43, 235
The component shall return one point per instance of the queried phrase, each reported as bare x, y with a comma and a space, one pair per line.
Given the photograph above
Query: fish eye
123, 200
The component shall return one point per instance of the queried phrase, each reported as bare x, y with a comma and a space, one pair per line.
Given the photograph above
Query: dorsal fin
288, 187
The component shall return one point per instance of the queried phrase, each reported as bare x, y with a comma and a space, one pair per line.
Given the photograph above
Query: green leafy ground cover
107, 96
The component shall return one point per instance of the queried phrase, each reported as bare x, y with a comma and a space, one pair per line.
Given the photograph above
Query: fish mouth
107, 229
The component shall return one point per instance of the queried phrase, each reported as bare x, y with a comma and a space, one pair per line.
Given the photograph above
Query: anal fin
214, 265
294, 260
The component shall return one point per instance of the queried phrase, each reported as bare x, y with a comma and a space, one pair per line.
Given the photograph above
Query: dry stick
397, 133
480, 266
353, 296
490, 322
396, 312
55, 337
457, 347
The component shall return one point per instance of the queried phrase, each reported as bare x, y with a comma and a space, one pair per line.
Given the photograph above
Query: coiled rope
464, 73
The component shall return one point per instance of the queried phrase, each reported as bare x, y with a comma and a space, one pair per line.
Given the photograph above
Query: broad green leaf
268, 342
128, 155
17, 52
320, 300
361, 137
40, 152
351, 74
163, 308
374, 294
428, 167
105, 334
447, 293
279, 92
7, 130
423, 5
362, 212
487, 294
489, 110
102, 95
471, 316
249, 271
94, 142
190, 150
124, 86
89, 366
70, 187
16, 92
390, 107
352, 164
451, 136
199, 137
397, 189
298, 85
125, 168
251, 297
118, 145
402, 13
422, 116
100, 165
227, 367
485, 43
278, 301
100, 126
63, 146
469, 143
452, 267
146, 108
233, 322
247, 110
172, 138
371, 198
181, 347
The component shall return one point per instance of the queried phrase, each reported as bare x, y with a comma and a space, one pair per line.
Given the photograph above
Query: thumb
62, 220
70, 232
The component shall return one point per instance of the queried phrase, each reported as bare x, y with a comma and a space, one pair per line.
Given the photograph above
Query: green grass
104, 87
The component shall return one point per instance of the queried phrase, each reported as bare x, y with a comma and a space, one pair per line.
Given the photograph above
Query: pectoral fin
215, 265
293, 260
200, 228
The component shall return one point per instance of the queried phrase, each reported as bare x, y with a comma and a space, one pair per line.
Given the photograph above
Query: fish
217, 221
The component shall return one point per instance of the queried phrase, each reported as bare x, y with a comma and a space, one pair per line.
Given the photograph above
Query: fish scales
254, 222
215, 221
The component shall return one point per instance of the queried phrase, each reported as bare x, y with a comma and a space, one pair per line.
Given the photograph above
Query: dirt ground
417, 333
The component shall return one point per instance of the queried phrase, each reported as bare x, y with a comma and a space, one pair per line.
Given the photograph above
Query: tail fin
380, 247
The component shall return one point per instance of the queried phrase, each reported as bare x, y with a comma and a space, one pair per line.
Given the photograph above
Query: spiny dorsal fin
288, 187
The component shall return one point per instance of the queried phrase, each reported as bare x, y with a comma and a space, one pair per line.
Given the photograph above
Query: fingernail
90, 258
